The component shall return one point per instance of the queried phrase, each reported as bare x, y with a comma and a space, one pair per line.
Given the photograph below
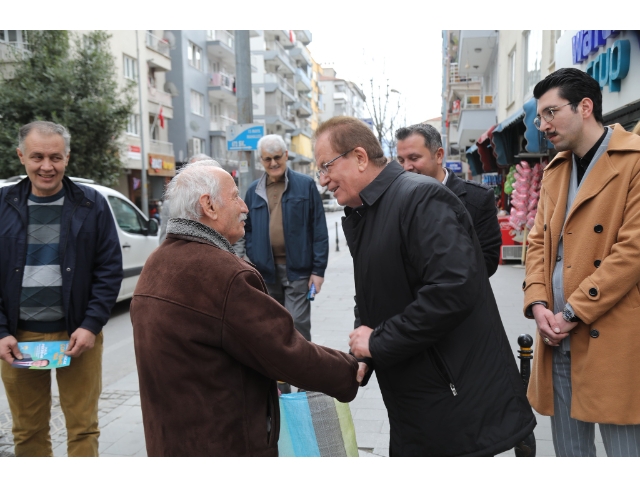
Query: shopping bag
313, 424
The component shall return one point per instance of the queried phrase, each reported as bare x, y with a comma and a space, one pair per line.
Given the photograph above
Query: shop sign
244, 137
611, 66
161, 165
134, 152
454, 166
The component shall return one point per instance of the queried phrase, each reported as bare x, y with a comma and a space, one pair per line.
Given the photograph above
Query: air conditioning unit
488, 99
511, 252
473, 100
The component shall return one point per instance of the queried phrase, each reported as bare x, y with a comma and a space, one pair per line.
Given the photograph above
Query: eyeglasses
269, 159
548, 114
324, 168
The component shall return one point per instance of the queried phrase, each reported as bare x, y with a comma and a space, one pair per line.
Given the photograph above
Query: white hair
202, 157
185, 189
271, 143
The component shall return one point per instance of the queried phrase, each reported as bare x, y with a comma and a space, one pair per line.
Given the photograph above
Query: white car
331, 204
138, 234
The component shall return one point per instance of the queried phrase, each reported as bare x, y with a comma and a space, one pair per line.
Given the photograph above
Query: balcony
159, 46
273, 81
13, 51
160, 147
219, 123
303, 82
473, 122
158, 98
277, 58
303, 36
300, 53
476, 50
340, 96
222, 87
303, 108
220, 45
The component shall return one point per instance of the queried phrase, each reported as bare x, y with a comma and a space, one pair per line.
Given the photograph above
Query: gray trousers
293, 296
574, 438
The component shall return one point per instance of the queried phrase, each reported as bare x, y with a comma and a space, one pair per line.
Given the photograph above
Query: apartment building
152, 124
488, 90
283, 90
340, 96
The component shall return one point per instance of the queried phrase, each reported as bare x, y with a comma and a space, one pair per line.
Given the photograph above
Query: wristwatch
568, 315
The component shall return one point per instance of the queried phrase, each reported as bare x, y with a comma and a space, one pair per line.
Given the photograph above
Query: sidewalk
120, 415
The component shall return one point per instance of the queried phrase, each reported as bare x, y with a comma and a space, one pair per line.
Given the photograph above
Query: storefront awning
473, 158
504, 139
536, 142
486, 152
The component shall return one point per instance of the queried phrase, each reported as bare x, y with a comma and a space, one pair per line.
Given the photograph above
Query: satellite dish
170, 88
170, 38
194, 126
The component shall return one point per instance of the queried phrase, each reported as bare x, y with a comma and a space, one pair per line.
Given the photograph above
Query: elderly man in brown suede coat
210, 341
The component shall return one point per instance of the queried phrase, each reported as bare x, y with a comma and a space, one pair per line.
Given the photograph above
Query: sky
412, 66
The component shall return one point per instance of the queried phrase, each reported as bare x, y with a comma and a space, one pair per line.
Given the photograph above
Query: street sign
244, 137
454, 166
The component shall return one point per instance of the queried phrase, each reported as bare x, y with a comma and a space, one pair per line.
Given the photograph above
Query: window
130, 68
194, 54
127, 217
197, 103
532, 59
511, 73
133, 124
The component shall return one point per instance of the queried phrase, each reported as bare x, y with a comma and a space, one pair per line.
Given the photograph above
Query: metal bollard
337, 241
527, 447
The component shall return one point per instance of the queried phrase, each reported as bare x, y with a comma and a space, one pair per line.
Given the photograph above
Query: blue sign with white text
453, 166
244, 137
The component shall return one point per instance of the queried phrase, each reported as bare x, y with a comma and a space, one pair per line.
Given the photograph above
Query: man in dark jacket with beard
430, 324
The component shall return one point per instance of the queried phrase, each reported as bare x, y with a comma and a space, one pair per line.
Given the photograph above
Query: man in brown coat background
209, 339
583, 272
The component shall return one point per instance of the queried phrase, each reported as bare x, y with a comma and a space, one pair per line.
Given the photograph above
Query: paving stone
370, 414
368, 426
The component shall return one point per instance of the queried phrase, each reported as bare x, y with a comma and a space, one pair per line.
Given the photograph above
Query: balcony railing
222, 80
160, 147
14, 51
456, 77
158, 45
160, 97
222, 36
220, 122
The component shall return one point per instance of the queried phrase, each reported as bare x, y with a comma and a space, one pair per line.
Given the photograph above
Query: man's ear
20, 155
208, 208
586, 105
363, 158
439, 155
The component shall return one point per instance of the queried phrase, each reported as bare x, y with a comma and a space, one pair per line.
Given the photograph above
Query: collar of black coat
381, 183
190, 229
22, 190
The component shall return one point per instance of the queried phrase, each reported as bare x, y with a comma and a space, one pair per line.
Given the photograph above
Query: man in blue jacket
60, 274
286, 232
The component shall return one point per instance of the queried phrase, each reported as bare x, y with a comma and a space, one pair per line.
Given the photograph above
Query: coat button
597, 263
594, 333
558, 258
524, 284
15, 199
68, 269
545, 227
598, 229
593, 292
17, 269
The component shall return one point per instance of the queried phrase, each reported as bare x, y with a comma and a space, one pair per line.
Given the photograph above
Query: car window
127, 218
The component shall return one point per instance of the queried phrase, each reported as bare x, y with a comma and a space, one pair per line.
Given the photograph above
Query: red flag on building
292, 36
161, 118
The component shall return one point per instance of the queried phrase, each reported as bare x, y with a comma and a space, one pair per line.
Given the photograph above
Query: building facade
340, 96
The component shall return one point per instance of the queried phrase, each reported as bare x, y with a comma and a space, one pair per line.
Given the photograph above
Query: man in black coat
430, 323
420, 151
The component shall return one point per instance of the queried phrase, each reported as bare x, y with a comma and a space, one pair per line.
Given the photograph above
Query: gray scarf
191, 228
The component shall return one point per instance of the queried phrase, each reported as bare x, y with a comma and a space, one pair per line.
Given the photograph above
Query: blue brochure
42, 355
